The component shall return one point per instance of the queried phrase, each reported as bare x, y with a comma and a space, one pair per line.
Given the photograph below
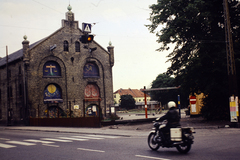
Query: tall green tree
127, 102
161, 81
198, 60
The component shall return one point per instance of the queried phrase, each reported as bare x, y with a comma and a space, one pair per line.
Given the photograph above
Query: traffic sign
193, 100
86, 27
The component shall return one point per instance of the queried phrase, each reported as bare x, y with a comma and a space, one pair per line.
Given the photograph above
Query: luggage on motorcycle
176, 134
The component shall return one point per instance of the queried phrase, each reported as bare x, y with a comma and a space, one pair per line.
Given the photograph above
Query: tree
127, 101
164, 96
198, 59
161, 81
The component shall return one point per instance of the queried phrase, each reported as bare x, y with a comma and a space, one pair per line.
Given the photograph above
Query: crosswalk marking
103, 136
148, 157
91, 150
74, 139
37, 141
87, 137
21, 143
5, 139
58, 140
49, 141
6, 145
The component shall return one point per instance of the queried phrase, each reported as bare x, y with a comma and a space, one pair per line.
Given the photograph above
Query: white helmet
171, 104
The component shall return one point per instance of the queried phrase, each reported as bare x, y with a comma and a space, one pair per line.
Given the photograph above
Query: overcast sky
122, 22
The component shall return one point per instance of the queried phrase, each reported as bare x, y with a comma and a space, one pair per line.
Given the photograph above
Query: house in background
138, 97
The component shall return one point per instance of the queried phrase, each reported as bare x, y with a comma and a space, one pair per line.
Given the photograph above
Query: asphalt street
210, 144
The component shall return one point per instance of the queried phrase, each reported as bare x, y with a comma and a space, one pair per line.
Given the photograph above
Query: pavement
128, 125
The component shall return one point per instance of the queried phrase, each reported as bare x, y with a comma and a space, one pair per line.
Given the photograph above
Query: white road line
5, 139
6, 145
148, 157
58, 140
74, 139
21, 143
37, 141
50, 145
91, 150
87, 137
103, 136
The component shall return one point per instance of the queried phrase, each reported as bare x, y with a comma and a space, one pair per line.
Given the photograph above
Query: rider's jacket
172, 117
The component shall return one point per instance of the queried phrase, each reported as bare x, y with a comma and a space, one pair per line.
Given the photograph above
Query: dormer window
65, 46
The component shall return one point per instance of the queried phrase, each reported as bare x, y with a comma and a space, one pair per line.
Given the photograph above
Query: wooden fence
66, 122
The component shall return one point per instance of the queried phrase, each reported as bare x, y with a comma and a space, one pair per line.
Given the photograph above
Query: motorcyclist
172, 116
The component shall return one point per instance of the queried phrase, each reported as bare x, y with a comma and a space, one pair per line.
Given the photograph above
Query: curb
132, 121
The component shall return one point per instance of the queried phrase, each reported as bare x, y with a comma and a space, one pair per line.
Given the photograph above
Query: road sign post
193, 105
86, 27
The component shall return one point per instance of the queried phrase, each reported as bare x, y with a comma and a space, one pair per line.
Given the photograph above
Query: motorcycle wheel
184, 148
152, 143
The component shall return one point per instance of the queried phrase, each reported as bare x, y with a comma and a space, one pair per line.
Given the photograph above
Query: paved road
220, 144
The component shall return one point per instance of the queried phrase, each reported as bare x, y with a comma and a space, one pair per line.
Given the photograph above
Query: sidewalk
130, 124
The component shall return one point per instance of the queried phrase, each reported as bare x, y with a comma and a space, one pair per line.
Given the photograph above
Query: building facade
135, 93
58, 76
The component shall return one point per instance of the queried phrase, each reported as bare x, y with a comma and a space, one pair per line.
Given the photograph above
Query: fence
66, 122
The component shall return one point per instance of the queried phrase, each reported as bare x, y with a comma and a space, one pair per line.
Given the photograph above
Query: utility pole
229, 50
233, 91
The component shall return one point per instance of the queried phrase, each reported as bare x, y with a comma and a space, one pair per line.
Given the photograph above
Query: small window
77, 46
65, 46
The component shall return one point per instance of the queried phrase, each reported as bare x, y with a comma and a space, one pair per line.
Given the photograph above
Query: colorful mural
51, 68
91, 91
90, 70
54, 112
53, 94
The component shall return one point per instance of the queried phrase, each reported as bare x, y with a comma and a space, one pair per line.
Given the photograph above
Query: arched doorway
54, 111
92, 110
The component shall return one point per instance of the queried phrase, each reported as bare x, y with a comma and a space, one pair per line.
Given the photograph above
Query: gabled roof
16, 55
134, 92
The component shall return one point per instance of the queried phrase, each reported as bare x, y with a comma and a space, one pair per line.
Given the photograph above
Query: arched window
65, 46
77, 46
51, 68
90, 70
53, 94
91, 91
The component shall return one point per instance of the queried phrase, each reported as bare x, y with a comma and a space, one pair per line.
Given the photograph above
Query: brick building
56, 77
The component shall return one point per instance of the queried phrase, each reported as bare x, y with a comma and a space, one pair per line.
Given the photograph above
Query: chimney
111, 51
25, 44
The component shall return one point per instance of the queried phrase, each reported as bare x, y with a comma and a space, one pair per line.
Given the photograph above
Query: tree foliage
161, 81
164, 96
198, 60
127, 102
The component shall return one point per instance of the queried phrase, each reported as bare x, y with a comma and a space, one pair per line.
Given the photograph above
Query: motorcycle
181, 138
